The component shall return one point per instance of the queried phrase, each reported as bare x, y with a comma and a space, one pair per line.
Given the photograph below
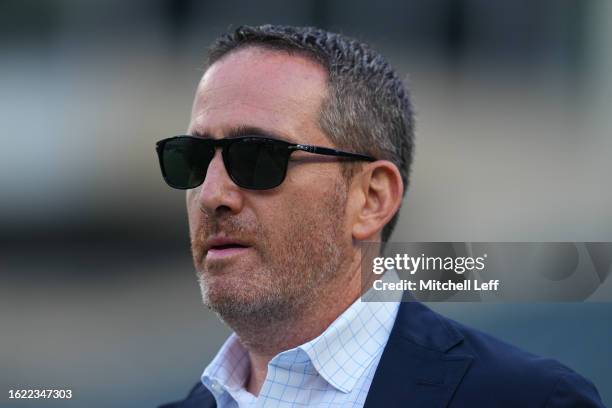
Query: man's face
263, 255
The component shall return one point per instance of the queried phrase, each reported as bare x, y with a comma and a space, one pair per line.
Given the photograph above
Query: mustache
215, 224
225, 225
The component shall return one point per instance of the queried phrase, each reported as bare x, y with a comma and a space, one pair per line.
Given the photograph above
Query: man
299, 148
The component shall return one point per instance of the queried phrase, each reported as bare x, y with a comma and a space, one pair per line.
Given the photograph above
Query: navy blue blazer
432, 361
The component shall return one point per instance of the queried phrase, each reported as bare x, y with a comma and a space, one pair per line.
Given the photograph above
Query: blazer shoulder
519, 376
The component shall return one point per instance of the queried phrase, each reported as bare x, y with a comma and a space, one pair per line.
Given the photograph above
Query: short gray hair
367, 109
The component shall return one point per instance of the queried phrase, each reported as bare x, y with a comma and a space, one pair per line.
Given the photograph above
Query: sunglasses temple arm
331, 152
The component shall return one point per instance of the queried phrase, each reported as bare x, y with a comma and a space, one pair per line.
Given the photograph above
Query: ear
380, 189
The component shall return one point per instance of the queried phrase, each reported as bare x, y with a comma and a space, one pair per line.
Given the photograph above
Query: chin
226, 286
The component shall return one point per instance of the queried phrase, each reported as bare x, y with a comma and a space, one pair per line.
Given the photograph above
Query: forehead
255, 87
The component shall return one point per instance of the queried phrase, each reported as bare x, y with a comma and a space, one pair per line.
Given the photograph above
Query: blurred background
97, 291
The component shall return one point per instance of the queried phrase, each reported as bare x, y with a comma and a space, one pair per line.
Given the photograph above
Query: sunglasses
252, 162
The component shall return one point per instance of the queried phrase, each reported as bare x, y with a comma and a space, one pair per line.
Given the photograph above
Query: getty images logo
413, 264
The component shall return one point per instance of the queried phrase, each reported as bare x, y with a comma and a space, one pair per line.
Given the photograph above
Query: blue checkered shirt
333, 370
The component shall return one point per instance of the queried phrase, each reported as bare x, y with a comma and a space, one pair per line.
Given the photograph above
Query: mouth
222, 248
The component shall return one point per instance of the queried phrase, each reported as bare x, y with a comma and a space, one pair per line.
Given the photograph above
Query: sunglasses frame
225, 143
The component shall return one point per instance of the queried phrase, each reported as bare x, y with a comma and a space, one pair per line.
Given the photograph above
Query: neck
265, 342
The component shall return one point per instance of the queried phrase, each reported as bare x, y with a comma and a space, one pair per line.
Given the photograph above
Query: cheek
304, 213
193, 212
280, 222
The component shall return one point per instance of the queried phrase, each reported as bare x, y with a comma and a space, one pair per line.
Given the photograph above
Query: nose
219, 193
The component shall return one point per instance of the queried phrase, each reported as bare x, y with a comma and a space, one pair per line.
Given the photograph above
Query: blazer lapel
204, 400
416, 369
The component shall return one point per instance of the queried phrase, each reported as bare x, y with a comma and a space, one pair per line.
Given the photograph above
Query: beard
293, 263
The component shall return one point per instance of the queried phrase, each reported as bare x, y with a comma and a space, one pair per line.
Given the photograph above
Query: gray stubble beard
278, 296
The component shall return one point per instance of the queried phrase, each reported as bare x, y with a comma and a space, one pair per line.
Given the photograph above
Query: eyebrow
246, 130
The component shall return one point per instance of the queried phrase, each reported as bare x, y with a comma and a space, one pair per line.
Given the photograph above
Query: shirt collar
340, 354
229, 369
343, 352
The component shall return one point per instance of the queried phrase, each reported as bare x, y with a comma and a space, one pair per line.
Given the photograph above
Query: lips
220, 243
224, 247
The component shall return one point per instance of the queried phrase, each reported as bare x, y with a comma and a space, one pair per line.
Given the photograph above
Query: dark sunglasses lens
257, 164
185, 161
